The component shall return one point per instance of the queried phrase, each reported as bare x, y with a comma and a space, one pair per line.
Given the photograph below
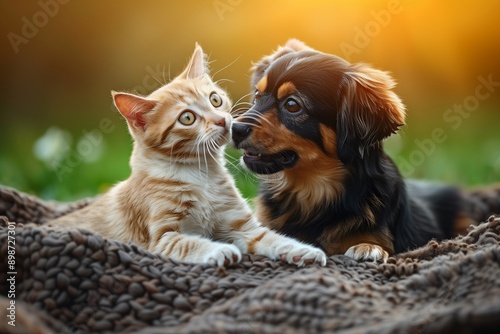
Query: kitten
180, 200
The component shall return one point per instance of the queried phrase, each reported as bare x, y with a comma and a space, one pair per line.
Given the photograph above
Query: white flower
53, 145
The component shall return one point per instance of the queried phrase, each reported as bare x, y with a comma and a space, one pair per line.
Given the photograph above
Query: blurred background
62, 139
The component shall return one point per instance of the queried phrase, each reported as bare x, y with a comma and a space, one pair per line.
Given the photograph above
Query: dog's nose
240, 132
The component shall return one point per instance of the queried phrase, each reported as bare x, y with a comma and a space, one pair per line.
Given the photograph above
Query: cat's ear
197, 65
133, 108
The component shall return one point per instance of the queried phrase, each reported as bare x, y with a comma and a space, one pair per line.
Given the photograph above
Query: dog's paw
222, 255
301, 254
367, 252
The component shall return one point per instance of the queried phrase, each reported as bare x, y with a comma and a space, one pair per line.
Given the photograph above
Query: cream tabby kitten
180, 200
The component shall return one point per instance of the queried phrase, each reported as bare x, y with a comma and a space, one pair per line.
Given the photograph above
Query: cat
180, 200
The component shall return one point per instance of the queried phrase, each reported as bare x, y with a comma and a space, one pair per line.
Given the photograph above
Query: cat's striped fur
180, 200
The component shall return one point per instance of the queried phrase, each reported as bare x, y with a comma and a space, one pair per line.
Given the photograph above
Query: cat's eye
216, 100
187, 118
292, 105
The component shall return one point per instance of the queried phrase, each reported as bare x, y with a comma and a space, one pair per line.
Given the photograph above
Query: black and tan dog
315, 135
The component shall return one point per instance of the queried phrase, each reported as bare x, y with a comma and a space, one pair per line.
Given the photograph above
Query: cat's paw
367, 252
222, 255
301, 254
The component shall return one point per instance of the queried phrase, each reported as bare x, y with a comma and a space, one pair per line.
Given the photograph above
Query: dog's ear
258, 69
369, 111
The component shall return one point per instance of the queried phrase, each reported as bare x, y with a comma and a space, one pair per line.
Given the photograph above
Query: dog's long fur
315, 134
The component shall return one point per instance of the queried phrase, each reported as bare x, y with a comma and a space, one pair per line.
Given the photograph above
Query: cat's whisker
202, 141
205, 157
157, 80
236, 110
169, 73
223, 80
241, 98
260, 116
253, 118
249, 177
243, 103
239, 108
227, 158
163, 73
246, 105
215, 148
225, 67
234, 162
255, 125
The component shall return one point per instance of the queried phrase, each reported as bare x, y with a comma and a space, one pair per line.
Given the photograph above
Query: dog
314, 136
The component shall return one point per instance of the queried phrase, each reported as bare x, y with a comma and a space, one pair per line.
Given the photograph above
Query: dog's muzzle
240, 132
257, 158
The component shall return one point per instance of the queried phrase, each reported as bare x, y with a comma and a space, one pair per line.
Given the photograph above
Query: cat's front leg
222, 254
196, 249
256, 239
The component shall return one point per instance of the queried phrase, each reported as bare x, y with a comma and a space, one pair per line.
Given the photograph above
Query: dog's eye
256, 96
292, 105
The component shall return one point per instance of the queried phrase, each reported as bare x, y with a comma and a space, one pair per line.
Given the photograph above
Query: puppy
314, 134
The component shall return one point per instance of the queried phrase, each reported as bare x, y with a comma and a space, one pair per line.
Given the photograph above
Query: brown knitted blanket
76, 281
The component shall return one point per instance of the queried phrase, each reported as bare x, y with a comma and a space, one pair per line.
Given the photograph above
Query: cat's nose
221, 122
240, 132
